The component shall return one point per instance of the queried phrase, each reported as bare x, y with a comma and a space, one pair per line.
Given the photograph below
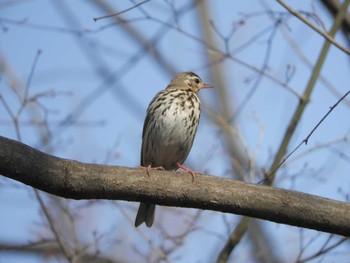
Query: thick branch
72, 179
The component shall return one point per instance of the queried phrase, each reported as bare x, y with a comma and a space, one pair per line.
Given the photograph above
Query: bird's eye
197, 80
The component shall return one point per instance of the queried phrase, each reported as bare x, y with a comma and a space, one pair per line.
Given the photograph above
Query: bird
169, 129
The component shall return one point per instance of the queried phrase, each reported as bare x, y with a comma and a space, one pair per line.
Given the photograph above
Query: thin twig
307, 22
309, 135
31, 74
55, 232
324, 250
121, 12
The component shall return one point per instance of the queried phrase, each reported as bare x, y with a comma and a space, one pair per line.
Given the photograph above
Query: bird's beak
203, 86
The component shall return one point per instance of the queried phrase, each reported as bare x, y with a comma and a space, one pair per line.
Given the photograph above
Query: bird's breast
179, 115
173, 121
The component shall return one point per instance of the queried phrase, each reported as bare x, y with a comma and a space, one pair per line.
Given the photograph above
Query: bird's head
188, 81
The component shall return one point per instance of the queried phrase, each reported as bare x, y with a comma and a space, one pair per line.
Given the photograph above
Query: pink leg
149, 168
185, 169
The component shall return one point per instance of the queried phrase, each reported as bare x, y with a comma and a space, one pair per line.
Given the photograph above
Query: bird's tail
145, 214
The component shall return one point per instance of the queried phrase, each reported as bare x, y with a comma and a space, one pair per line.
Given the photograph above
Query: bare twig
307, 22
31, 74
305, 141
60, 241
324, 249
121, 12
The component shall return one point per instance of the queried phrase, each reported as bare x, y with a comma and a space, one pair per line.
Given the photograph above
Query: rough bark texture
72, 179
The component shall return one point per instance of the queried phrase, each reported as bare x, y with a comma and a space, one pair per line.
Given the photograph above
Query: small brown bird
169, 130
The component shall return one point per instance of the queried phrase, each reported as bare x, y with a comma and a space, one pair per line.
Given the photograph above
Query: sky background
97, 80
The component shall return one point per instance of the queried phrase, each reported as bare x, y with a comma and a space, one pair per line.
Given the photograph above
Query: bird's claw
187, 170
149, 168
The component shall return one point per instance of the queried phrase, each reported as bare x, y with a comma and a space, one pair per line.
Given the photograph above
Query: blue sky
83, 59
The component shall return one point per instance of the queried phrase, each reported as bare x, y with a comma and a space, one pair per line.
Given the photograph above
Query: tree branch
72, 179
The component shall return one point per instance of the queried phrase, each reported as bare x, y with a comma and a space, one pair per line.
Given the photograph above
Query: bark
72, 179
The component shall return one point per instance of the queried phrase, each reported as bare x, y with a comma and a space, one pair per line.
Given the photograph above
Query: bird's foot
149, 168
187, 170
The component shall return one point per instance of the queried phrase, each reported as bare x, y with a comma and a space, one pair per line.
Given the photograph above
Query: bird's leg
149, 168
187, 170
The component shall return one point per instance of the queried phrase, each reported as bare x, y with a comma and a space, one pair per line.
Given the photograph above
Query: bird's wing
145, 125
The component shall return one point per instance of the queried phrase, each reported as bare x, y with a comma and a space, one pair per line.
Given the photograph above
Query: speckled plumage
169, 129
